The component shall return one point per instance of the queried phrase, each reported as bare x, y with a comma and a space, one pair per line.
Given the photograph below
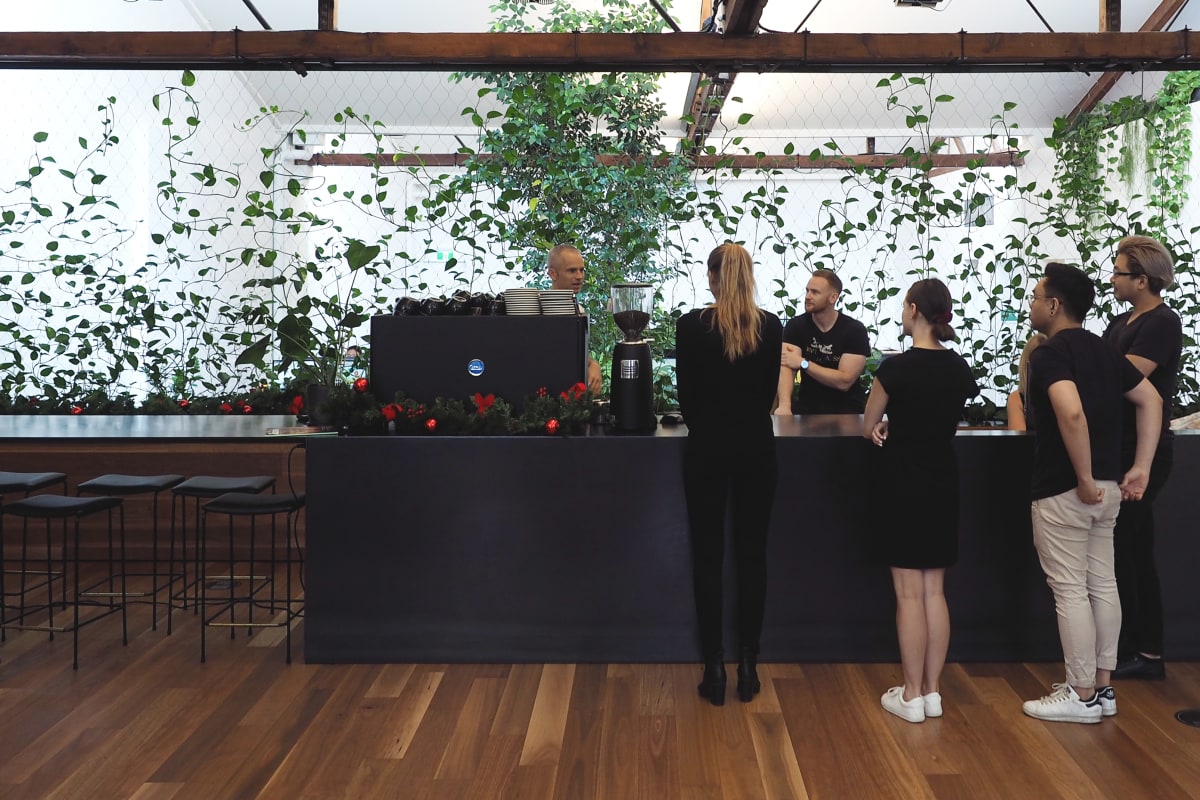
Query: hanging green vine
1132, 144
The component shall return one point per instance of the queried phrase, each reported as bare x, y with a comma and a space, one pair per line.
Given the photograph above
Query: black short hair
1072, 288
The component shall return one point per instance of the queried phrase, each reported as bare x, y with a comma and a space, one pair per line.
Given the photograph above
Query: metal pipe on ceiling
261, 19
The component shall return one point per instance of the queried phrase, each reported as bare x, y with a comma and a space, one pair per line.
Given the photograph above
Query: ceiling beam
699, 90
712, 88
1110, 15
653, 52
327, 15
1158, 19
743, 16
1008, 158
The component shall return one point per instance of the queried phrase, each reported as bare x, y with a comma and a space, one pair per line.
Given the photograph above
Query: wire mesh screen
157, 226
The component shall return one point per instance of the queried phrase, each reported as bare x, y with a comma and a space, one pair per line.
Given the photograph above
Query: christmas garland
351, 408
261, 399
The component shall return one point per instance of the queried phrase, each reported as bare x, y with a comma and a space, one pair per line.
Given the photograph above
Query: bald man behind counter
566, 269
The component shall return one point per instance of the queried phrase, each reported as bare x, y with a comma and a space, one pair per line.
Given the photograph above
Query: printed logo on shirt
820, 351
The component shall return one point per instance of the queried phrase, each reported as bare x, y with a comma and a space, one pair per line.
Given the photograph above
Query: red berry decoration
430, 424
552, 426
226, 408
76, 410
246, 409
360, 385
184, 403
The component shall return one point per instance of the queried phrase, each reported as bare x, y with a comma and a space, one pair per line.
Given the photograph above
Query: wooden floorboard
148, 721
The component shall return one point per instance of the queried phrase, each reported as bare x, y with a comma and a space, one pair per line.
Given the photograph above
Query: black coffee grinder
632, 368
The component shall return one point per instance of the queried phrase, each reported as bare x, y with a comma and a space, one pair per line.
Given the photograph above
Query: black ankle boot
747, 674
712, 685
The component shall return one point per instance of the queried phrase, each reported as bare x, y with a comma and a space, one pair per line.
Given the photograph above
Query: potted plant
315, 336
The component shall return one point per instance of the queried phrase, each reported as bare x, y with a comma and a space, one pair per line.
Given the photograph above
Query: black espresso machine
457, 356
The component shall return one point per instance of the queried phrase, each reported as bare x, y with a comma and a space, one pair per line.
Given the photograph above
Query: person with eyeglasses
1076, 382
1150, 336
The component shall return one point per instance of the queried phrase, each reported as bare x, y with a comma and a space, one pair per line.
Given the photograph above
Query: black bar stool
27, 483
124, 486
51, 507
252, 506
206, 487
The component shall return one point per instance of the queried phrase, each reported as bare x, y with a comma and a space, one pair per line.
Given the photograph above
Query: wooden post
1110, 15
1159, 18
327, 15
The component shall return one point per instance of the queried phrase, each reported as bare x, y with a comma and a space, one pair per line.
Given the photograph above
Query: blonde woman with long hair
1017, 419
727, 369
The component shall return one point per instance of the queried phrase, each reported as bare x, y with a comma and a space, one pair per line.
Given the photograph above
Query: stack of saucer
558, 302
522, 302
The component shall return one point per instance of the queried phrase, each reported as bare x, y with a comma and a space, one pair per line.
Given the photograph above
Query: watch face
804, 364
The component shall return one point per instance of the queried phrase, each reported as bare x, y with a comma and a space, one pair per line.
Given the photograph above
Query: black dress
916, 475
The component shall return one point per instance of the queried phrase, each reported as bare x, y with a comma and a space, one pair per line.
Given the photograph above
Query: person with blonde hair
727, 368
1150, 336
1017, 418
923, 391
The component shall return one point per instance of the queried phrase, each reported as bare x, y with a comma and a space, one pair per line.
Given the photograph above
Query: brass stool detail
252, 506
204, 487
124, 486
50, 507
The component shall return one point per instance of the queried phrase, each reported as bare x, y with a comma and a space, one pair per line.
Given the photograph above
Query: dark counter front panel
575, 550
466, 549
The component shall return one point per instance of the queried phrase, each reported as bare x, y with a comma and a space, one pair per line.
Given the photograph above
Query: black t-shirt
847, 336
1101, 376
926, 392
719, 397
1156, 336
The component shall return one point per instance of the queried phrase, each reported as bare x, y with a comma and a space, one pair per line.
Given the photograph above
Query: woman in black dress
923, 392
727, 368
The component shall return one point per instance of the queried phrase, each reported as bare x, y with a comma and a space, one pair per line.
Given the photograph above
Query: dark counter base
575, 550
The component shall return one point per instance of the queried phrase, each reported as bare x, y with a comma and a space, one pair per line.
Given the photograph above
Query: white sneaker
933, 704
1108, 701
909, 710
1064, 705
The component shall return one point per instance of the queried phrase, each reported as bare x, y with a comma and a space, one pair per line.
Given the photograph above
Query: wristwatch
804, 364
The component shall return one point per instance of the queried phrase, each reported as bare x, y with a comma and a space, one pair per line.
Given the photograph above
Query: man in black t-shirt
1150, 336
830, 350
1076, 381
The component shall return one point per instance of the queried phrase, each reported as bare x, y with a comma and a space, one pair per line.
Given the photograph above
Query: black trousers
740, 476
1137, 574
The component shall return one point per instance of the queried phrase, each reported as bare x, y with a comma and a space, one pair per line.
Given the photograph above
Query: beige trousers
1074, 542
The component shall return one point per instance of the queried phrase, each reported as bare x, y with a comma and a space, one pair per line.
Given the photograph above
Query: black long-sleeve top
720, 398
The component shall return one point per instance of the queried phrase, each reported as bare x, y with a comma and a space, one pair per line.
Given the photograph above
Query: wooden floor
148, 721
